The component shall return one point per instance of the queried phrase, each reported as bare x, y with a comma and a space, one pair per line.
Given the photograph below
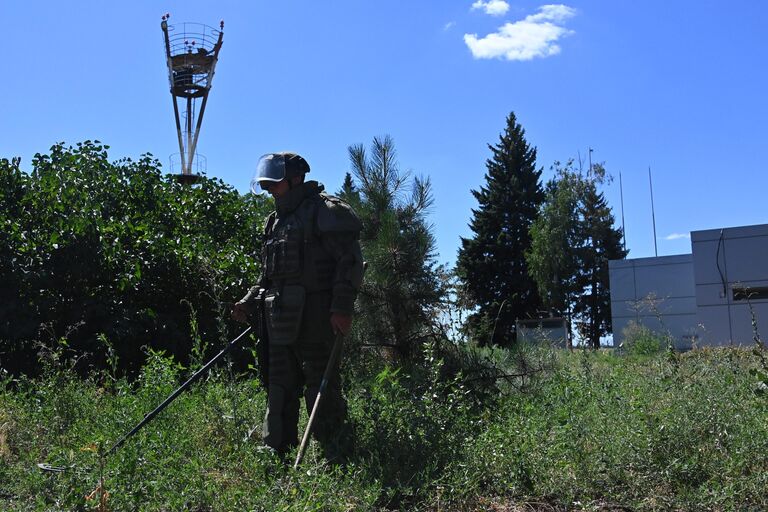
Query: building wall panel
672, 280
741, 322
724, 259
651, 287
715, 326
705, 262
747, 259
622, 279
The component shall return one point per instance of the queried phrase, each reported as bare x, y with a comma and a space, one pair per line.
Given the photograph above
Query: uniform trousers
297, 369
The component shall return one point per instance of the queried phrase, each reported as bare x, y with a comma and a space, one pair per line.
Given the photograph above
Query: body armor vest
293, 253
298, 268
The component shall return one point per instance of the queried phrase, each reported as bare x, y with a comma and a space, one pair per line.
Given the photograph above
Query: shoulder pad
335, 215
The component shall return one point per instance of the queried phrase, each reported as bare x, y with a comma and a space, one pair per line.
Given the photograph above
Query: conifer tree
349, 191
491, 264
402, 284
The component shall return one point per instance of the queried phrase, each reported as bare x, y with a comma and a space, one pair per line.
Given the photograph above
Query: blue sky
677, 86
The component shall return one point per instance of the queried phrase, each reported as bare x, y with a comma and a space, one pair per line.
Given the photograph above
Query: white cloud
535, 36
492, 7
552, 12
677, 236
449, 25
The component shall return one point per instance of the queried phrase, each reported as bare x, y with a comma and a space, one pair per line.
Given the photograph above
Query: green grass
647, 432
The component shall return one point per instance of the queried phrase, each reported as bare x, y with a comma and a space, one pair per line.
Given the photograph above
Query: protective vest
293, 253
295, 261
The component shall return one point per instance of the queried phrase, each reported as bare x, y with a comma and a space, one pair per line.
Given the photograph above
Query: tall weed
594, 430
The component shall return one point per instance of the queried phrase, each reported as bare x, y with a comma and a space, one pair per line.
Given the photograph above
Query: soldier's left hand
341, 323
240, 313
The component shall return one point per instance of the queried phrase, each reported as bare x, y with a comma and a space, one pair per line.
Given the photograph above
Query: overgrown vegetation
118, 281
92, 249
590, 432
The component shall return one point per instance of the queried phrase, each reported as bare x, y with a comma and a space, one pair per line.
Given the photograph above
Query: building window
750, 293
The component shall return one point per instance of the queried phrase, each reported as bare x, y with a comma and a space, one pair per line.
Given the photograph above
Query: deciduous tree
572, 241
553, 257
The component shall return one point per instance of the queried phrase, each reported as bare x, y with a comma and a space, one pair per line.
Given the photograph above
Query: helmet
275, 167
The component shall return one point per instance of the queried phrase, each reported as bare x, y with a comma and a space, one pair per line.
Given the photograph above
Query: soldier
312, 268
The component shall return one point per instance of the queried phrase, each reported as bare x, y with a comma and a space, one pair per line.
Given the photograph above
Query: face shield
271, 169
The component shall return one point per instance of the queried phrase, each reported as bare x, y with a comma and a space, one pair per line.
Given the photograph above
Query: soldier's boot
331, 429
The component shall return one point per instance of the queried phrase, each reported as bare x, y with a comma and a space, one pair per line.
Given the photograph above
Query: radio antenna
623, 228
653, 213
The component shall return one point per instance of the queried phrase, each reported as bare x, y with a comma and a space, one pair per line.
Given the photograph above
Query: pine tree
348, 190
491, 264
402, 282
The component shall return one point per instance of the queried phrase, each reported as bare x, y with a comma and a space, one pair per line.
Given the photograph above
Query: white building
704, 298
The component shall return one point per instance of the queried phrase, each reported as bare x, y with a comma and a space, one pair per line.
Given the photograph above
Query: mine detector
191, 51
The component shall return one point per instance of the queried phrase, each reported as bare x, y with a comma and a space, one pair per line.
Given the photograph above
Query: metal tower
191, 50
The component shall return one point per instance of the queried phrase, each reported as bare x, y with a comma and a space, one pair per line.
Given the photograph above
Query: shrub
93, 248
639, 340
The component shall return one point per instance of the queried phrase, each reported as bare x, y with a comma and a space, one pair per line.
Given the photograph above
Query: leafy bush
92, 248
639, 340
410, 426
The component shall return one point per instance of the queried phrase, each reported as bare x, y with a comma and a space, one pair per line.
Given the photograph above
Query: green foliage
572, 241
553, 257
491, 264
643, 434
94, 248
402, 283
192, 457
596, 431
639, 340
409, 427
601, 243
449, 427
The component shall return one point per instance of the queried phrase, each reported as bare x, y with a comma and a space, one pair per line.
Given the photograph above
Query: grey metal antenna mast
623, 228
653, 214
192, 51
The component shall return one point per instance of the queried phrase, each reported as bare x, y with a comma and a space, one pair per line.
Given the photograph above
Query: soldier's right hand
240, 313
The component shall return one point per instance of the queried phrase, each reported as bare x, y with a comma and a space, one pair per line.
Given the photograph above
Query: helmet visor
270, 168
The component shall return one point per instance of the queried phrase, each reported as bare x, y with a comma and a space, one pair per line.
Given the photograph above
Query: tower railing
199, 164
191, 50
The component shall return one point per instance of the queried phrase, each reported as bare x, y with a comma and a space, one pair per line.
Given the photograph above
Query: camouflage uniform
312, 267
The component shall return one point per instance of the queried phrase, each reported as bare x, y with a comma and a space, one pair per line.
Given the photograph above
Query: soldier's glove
241, 312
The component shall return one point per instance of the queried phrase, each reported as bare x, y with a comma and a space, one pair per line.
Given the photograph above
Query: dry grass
5, 449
